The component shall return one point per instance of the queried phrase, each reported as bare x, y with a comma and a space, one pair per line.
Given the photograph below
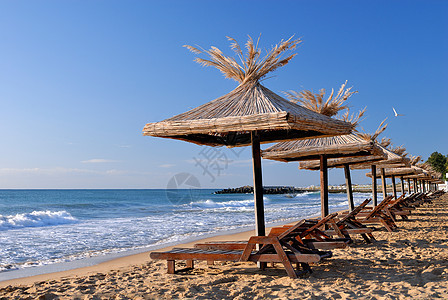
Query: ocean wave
210, 204
304, 194
36, 219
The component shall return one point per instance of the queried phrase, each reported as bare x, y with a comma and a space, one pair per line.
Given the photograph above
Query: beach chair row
305, 242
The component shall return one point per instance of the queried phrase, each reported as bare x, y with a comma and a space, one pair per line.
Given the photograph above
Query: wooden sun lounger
305, 231
285, 248
379, 215
348, 224
400, 207
413, 200
279, 255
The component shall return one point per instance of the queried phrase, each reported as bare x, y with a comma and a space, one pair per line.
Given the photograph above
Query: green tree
439, 162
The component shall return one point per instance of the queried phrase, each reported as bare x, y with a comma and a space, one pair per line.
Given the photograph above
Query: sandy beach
409, 263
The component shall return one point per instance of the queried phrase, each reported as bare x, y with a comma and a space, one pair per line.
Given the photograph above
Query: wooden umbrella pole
415, 186
402, 185
383, 182
258, 185
394, 187
323, 185
409, 186
348, 185
374, 187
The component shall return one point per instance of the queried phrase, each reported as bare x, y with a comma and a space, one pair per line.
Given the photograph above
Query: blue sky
80, 79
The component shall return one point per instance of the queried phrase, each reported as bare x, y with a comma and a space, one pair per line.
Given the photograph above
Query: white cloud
167, 166
98, 161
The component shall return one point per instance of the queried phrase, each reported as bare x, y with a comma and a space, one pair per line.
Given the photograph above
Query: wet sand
409, 263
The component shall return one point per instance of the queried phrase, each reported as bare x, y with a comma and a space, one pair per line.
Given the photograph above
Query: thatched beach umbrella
430, 173
387, 159
317, 152
419, 180
393, 160
377, 153
326, 147
250, 114
400, 150
394, 172
413, 161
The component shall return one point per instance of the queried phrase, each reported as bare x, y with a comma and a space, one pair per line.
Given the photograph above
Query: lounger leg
386, 225
389, 213
372, 238
306, 270
285, 260
366, 238
190, 263
171, 266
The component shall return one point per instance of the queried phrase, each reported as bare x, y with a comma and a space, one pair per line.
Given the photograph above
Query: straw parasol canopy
384, 157
429, 175
402, 171
340, 146
230, 119
392, 161
250, 114
398, 172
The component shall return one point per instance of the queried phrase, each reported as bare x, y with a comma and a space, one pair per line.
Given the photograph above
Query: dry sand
409, 263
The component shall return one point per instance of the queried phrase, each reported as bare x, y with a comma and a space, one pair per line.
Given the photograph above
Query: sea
52, 230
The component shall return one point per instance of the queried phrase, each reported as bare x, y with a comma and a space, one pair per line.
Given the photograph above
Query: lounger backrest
393, 203
354, 212
379, 207
399, 202
320, 223
293, 231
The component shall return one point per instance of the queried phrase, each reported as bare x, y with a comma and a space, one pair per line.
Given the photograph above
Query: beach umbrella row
317, 152
323, 148
251, 114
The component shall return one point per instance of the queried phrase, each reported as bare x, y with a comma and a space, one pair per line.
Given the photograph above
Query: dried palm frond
353, 119
425, 166
251, 67
385, 142
399, 150
415, 159
316, 103
373, 137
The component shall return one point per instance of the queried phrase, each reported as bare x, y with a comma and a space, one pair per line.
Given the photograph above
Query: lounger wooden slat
240, 245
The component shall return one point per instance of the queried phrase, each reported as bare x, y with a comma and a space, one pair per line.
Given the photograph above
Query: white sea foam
210, 204
36, 219
300, 195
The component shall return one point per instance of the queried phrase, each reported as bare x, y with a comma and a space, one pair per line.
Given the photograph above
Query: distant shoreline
294, 190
